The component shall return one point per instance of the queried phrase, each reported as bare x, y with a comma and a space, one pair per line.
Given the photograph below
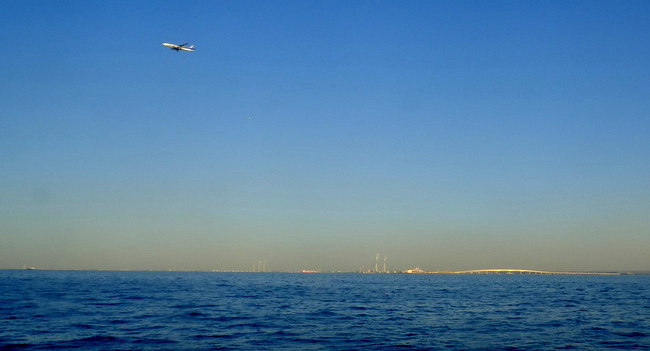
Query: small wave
196, 314
283, 333
191, 305
228, 318
134, 297
250, 325
107, 303
324, 313
99, 338
14, 346
83, 343
214, 336
633, 334
154, 341
402, 347
82, 326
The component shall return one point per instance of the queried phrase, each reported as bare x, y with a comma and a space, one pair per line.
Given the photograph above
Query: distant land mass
416, 270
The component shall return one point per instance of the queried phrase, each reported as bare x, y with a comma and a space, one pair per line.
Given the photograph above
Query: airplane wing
180, 46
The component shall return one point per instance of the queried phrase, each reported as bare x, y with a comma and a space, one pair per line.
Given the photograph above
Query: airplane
179, 47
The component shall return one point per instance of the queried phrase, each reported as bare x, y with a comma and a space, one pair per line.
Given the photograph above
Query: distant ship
308, 271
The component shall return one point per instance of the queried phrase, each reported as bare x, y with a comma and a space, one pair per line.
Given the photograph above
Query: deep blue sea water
88, 310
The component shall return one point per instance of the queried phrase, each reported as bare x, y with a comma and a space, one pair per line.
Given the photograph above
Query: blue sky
314, 134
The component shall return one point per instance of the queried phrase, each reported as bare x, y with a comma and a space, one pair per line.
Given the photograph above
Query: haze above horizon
311, 135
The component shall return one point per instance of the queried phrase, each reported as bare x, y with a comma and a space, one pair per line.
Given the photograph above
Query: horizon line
493, 271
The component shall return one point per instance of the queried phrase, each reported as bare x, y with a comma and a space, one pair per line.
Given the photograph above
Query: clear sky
314, 134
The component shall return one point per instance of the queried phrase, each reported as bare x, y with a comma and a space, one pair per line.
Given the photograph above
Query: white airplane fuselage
179, 47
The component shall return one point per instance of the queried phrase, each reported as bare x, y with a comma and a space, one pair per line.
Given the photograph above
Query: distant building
415, 270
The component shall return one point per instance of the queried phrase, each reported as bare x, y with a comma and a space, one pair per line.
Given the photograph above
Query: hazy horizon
445, 135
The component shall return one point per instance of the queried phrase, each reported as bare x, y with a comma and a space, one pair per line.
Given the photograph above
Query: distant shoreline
406, 272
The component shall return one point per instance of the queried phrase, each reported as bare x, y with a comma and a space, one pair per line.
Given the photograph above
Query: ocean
103, 310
